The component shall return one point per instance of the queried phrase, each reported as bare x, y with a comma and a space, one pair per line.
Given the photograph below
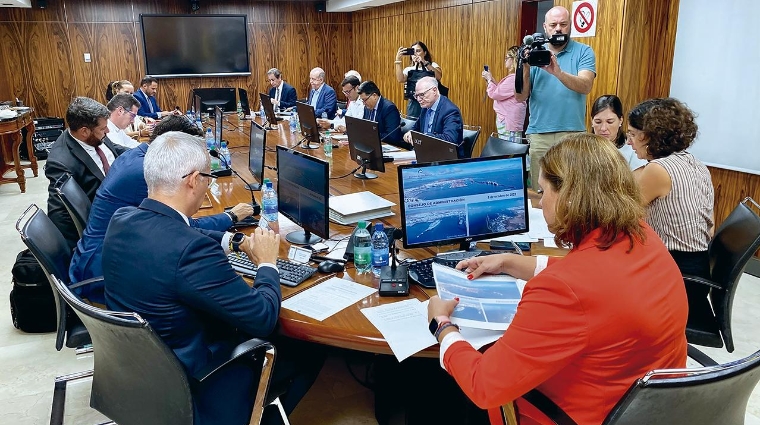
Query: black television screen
195, 45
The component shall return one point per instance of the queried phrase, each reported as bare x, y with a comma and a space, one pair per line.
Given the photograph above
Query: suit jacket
144, 110
124, 186
67, 156
327, 102
388, 121
179, 280
447, 124
288, 96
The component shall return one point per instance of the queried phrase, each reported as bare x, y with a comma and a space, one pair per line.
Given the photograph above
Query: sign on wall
584, 18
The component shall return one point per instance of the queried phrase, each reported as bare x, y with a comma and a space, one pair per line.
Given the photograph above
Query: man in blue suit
125, 186
383, 112
439, 117
283, 94
180, 281
146, 94
321, 96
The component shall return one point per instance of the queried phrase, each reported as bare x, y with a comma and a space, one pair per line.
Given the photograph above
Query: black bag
32, 303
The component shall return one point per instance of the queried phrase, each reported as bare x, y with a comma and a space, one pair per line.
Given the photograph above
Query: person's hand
274, 102
416, 59
476, 266
262, 246
242, 210
553, 67
323, 123
408, 137
487, 76
400, 53
339, 113
342, 129
438, 307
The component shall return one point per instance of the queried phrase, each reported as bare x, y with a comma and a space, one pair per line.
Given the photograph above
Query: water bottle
191, 116
362, 249
380, 250
324, 115
198, 122
294, 123
240, 110
224, 152
262, 114
328, 144
211, 145
269, 204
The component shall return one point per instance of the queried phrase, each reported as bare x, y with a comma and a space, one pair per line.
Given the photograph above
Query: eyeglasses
211, 177
366, 97
422, 94
131, 114
346, 92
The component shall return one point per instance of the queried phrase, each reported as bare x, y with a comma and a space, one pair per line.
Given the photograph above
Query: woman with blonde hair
510, 113
137, 127
589, 324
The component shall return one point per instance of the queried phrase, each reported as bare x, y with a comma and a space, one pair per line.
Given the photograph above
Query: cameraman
558, 104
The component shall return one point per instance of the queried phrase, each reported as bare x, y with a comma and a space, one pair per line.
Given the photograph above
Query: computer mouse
330, 266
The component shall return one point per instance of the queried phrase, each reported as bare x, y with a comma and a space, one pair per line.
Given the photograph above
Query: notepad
354, 207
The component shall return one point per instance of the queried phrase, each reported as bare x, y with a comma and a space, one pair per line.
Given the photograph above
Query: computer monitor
256, 155
244, 105
462, 201
271, 117
364, 146
224, 97
303, 191
431, 149
308, 120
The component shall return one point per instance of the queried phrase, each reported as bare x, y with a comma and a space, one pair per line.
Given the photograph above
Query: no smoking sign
584, 18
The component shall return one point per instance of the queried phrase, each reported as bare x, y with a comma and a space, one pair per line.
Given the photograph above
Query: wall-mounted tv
195, 45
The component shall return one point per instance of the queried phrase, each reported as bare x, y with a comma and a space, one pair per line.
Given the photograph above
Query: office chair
76, 201
51, 250
139, 380
469, 137
733, 244
714, 394
342, 105
496, 146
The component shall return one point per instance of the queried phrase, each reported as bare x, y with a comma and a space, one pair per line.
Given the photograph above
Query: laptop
245, 106
431, 149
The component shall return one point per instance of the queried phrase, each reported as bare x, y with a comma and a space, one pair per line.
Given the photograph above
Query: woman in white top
607, 121
137, 125
421, 65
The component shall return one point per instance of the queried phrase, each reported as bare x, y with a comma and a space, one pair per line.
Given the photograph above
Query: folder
355, 207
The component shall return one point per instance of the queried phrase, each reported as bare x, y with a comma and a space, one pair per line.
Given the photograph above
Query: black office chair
733, 244
469, 137
75, 200
496, 146
139, 380
51, 250
714, 394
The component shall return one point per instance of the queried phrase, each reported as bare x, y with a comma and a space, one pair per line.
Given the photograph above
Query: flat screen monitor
266, 102
364, 146
223, 97
303, 184
431, 149
256, 155
195, 45
244, 105
463, 201
309, 128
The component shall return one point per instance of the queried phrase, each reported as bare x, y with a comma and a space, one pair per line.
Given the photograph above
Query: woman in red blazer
588, 324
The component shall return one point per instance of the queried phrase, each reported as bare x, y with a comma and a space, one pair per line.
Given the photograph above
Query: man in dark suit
146, 94
383, 112
84, 151
179, 280
283, 94
439, 117
321, 96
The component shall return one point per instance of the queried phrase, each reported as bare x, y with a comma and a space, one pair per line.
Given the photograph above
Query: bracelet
397, 62
444, 326
232, 215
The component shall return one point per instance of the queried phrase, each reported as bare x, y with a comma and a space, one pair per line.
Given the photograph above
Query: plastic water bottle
294, 123
269, 203
198, 122
240, 109
362, 249
328, 144
211, 145
262, 114
224, 152
380, 250
191, 115
324, 115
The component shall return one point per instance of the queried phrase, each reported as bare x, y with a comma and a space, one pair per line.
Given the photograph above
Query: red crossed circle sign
583, 18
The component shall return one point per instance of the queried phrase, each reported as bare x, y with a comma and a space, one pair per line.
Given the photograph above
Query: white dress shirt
94, 155
355, 109
118, 136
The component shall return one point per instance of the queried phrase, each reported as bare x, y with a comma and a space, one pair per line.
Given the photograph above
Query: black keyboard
291, 274
421, 271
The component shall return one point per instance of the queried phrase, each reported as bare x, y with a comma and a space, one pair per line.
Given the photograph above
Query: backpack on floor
32, 303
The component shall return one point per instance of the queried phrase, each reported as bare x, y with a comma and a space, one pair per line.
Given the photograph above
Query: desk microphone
254, 204
394, 279
403, 123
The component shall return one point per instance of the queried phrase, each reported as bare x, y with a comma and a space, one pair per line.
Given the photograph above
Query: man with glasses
354, 107
321, 96
283, 95
383, 112
123, 109
439, 117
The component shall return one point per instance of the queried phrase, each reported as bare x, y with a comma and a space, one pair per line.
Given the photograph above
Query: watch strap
233, 216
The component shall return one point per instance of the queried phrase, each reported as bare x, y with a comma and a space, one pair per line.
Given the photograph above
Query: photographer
558, 105
422, 65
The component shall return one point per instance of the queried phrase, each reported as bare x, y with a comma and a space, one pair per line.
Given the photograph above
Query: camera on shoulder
535, 54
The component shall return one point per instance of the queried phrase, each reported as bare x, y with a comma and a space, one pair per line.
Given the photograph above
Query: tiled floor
29, 363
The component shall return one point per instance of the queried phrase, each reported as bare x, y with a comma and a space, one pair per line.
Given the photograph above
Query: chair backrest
137, 379
734, 243
469, 137
709, 395
496, 146
342, 105
52, 251
76, 201
407, 123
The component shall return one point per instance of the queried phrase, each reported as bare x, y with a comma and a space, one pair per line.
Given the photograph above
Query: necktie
103, 160
430, 115
372, 115
277, 95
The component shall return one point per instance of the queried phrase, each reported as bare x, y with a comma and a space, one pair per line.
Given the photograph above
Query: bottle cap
362, 224
269, 185
379, 226
266, 180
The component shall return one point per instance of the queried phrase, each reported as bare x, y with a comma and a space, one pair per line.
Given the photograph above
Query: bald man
557, 91
321, 96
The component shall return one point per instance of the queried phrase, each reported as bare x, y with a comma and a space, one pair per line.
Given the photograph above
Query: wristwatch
235, 241
233, 216
437, 322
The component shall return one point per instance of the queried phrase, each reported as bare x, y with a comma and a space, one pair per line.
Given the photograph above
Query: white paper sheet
538, 227
521, 237
403, 156
390, 148
549, 243
404, 326
327, 298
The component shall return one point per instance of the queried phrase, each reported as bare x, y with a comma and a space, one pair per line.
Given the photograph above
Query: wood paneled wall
42, 50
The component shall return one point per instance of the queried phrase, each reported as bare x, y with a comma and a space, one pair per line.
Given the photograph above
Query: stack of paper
400, 156
354, 207
327, 298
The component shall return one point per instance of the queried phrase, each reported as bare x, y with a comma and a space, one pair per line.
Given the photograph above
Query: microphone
528, 39
403, 123
394, 278
254, 204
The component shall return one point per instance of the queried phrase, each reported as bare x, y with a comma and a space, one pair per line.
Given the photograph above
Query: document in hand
488, 302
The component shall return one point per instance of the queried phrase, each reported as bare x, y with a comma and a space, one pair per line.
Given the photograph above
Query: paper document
327, 298
390, 148
538, 227
404, 326
549, 243
403, 156
521, 237
488, 302
339, 136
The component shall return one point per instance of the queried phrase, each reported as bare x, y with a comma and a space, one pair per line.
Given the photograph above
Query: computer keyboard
421, 271
291, 273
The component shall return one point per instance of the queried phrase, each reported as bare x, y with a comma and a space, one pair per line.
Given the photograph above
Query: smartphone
507, 245
485, 68
409, 51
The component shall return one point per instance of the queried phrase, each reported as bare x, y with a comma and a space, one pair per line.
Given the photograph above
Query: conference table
349, 328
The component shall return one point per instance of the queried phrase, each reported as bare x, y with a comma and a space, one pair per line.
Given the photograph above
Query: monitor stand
364, 175
302, 238
253, 186
305, 144
267, 126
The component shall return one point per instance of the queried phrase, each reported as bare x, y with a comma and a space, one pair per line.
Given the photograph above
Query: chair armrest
86, 282
242, 352
699, 356
548, 408
702, 281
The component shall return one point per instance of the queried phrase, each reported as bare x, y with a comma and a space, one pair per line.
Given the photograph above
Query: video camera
535, 54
